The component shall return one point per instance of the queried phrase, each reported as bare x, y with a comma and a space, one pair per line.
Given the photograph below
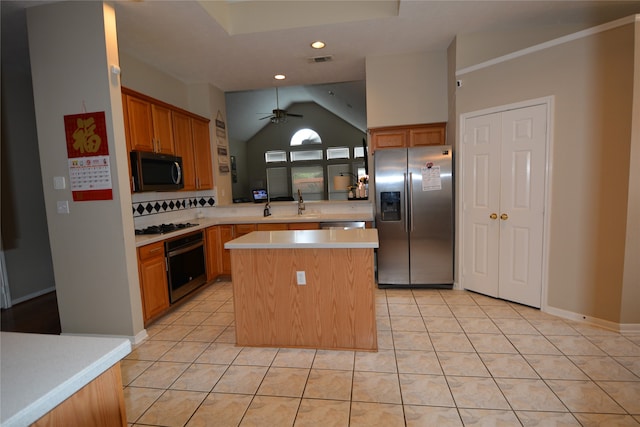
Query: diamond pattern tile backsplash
170, 203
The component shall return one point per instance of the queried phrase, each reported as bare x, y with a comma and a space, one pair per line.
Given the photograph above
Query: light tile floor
446, 358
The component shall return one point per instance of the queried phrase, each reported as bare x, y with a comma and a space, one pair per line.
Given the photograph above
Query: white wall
72, 46
406, 89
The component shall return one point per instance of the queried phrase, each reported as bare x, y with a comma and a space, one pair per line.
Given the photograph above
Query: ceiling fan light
279, 77
318, 44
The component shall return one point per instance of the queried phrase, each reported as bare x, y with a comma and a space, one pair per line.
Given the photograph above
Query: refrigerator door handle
411, 226
406, 204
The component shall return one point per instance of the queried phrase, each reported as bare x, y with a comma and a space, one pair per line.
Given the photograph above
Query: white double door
503, 162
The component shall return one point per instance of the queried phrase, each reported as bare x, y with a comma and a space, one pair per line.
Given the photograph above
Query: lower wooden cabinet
153, 280
225, 234
304, 226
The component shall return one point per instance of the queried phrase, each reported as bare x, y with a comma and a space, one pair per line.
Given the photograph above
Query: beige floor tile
553, 327
529, 395
184, 352
584, 396
547, 419
284, 382
271, 411
508, 366
468, 311
616, 345
400, 297
598, 420
412, 341
442, 324
173, 332
403, 309
376, 387
173, 408
478, 326
334, 359
207, 306
204, 333
625, 393
457, 298
385, 340
228, 336
219, 353
435, 310
137, 400
294, 358
429, 299
220, 319
193, 318
500, 312
241, 379
421, 416
150, 350
515, 327
431, 390
364, 414
323, 413
603, 368
557, 367
631, 363
379, 361
132, 368
575, 345
532, 344
199, 377
160, 375
462, 364
491, 343
474, 392
256, 356
220, 410
328, 384
383, 323
488, 418
451, 342
407, 323
418, 362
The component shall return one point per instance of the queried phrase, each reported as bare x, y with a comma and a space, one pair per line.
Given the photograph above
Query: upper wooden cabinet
408, 136
202, 154
183, 138
150, 126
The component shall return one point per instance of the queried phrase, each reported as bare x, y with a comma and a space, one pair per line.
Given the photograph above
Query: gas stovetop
164, 228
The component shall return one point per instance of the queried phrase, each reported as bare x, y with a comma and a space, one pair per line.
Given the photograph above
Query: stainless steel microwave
156, 172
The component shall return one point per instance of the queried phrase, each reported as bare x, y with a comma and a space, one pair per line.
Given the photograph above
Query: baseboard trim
626, 328
32, 295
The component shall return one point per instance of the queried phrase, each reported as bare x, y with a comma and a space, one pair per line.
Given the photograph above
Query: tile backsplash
152, 203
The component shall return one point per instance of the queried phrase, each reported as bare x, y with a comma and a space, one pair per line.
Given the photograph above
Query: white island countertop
38, 372
312, 239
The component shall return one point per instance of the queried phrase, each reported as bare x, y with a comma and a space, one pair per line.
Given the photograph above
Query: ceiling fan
278, 115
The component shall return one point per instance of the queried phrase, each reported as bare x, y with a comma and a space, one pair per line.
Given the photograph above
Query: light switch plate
59, 183
62, 206
301, 277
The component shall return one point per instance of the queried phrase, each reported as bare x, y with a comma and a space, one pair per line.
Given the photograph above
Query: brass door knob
504, 217
493, 216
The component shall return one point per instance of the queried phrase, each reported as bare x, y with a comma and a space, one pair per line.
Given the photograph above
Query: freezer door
391, 203
431, 215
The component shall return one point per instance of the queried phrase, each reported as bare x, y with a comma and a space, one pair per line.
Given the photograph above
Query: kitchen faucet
300, 203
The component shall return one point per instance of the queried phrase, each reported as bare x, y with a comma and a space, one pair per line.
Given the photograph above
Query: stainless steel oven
186, 269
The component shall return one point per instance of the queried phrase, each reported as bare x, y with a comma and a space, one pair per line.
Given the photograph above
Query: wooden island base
334, 310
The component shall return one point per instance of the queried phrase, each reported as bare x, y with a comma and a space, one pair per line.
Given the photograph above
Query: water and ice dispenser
390, 206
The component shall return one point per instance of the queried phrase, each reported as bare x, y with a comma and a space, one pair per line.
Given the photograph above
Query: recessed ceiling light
317, 44
279, 77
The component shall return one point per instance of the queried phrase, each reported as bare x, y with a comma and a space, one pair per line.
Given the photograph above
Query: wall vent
318, 59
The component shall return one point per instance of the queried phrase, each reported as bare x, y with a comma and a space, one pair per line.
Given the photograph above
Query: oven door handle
184, 249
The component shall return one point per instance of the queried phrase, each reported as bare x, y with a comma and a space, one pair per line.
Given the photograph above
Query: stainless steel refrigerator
414, 216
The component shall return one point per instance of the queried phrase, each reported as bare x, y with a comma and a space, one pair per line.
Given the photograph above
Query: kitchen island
305, 288
52, 380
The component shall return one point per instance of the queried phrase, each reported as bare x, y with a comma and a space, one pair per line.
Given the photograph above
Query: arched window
304, 137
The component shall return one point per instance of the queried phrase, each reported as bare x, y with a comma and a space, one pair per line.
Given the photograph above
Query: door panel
522, 200
481, 197
390, 184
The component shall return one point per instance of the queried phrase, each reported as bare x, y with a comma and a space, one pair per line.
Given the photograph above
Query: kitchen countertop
146, 239
295, 239
38, 372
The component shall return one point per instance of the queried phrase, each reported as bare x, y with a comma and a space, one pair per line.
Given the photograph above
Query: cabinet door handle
504, 217
493, 216
156, 249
